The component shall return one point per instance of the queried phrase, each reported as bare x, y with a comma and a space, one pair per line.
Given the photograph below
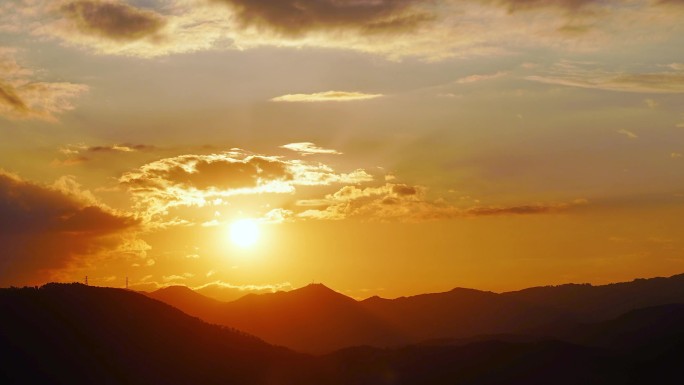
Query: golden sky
387, 147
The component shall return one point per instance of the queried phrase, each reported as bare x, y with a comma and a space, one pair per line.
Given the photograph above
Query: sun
244, 232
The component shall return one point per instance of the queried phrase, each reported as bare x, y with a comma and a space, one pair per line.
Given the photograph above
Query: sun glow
244, 232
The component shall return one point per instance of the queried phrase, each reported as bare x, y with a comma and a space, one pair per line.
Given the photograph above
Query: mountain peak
316, 287
174, 289
317, 290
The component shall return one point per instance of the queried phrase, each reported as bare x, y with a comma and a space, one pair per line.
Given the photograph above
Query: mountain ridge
77, 334
309, 311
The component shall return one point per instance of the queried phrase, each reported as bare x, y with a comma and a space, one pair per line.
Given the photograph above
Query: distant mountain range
76, 334
316, 319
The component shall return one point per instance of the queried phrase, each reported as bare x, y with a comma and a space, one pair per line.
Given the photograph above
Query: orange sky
384, 147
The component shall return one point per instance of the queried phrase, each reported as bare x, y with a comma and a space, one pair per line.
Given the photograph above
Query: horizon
386, 148
221, 297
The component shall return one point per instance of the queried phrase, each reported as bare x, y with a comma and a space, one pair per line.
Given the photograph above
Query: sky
381, 147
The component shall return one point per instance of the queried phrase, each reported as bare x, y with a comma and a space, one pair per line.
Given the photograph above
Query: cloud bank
44, 229
432, 30
23, 96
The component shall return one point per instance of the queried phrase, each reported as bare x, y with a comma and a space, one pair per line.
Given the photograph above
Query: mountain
657, 325
71, 333
76, 334
225, 293
188, 300
596, 303
462, 313
645, 346
316, 319
312, 319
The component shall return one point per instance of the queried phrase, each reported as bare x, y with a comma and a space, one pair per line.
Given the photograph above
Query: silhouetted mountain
462, 313
642, 347
188, 301
76, 334
657, 325
225, 293
310, 319
71, 333
597, 303
317, 319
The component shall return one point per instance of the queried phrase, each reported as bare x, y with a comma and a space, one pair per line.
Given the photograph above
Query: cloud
114, 27
225, 291
650, 103
395, 29
586, 75
172, 278
478, 78
112, 19
297, 17
125, 147
80, 153
308, 148
569, 5
9, 97
279, 215
627, 133
328, 96
44, 229
197, 180
22, 96
218, 289
400, 202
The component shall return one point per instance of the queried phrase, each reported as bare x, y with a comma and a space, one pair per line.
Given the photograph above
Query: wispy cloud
74, 154
23, 96
328, 96
400, 202
479, 78
588, 75
627, 133
174, 278
308, 148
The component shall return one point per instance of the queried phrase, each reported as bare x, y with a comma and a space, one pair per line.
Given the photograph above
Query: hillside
71, 333
312, 319
597, 303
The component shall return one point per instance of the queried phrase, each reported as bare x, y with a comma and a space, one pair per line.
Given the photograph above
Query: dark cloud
125, 147
222, 173
296, 17
516, 210
112, 20
9, 97
521, 5
403, 190
43, 229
